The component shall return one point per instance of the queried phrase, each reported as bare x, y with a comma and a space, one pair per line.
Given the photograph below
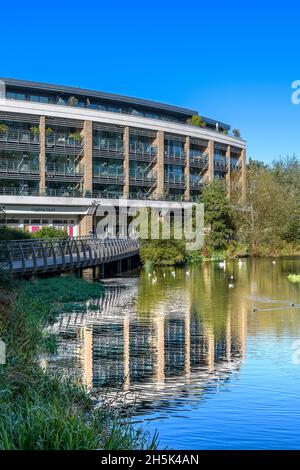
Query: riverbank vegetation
39, 410
265, 223
10, 233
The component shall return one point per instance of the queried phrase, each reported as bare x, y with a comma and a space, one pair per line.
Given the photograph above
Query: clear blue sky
232, 60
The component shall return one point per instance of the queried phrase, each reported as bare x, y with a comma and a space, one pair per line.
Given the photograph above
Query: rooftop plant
72, 101
236, 133
197, 121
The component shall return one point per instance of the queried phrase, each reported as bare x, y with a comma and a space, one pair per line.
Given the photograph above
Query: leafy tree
50, 232
197, 121
218, 215
10, 233
236, 133
266, 216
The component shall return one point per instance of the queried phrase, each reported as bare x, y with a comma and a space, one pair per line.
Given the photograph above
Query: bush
9, 233
50, 232
163, 252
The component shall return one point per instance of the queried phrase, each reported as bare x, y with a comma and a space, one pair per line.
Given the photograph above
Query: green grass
39, 410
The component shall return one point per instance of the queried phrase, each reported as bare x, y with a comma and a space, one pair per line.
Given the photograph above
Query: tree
197, 121
218, 215
50, 232
265, 218
236, 133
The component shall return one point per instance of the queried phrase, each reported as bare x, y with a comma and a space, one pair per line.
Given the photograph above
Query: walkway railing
41, 255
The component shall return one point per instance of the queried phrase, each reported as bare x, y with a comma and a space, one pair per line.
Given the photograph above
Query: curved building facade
64, 150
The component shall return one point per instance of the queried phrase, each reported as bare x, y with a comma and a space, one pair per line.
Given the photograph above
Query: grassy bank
39, 410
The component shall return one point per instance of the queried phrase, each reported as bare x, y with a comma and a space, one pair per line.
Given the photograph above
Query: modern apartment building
66, 150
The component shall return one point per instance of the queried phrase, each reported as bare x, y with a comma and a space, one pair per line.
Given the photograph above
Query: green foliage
9, 233
35, 130
49, 131
50, 232
163, 252
295, 278
218, 215
236, 133
269, 218
76, 136
3, 128
197, 121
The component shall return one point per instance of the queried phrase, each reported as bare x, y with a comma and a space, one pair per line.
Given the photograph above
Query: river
208, 354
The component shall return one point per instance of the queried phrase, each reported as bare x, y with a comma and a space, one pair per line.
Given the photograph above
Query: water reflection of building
153, 354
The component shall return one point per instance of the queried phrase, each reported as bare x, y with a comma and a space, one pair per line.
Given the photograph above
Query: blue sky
233, 61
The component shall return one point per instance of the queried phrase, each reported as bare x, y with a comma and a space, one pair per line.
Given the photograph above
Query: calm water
208, 360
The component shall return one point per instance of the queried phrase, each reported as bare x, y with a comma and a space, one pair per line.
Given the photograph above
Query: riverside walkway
24, 257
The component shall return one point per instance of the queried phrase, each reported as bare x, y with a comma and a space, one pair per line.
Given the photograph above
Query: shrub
50, 232
163, 252
9, 233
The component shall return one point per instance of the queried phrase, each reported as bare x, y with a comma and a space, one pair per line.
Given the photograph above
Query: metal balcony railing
62, 139
143, 176
143, 149
235, 165
108, 145
174, 179
19, 191
175, 155
220, 165
19, 167
108, 173
61, 169
19, 136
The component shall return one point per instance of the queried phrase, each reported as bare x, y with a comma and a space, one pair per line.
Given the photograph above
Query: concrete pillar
228, 174
160, 170
85, 225
187, 169
42, 156
88, 156
126, 162
244, 174
211, 160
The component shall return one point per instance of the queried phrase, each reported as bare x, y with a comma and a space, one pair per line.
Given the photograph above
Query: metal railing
19, 136
30, 256
142, 176
62, 139
95, 194
62, 169
171, 178
108, 144
14, 166
143, 149
108, 173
